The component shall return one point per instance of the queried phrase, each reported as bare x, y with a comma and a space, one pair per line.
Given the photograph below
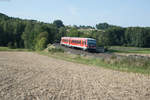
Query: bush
11, 45
41, 44
106, 48
129, 62
53, 49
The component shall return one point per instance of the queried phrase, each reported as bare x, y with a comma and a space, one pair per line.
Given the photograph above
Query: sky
123, 13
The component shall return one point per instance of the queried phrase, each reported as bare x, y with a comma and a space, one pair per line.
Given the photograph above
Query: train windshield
92, 42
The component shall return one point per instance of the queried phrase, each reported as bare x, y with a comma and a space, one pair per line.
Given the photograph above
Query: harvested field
30, 76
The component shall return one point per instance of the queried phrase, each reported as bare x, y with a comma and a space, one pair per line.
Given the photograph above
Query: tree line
130, 36
30, 34
111, 35
35, 35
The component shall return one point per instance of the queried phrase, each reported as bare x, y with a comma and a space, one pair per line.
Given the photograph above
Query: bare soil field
30, 76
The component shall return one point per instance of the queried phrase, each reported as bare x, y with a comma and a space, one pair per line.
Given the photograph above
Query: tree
137, 36
58, 23
41, 44
1, 36
61, 33
112, 36
73, 32
102, 26
28, 36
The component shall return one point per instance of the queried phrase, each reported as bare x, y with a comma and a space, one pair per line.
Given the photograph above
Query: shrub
11, 45
53, 49
41, 44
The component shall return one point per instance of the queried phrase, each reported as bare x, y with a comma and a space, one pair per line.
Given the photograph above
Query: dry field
30, 76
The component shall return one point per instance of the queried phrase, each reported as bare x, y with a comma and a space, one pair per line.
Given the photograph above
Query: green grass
123, 65
127, 64
118, 49
8, 49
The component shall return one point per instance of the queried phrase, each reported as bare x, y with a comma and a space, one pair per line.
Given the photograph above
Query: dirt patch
30, 76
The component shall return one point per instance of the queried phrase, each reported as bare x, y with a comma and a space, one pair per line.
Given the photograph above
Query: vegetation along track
83, 53
106, 55
30, 76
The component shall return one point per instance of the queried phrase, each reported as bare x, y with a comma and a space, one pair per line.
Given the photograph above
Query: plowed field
30, 76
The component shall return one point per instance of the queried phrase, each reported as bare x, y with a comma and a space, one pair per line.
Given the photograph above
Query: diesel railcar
83, 43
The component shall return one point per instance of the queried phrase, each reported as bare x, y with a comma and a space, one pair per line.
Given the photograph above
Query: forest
36, 35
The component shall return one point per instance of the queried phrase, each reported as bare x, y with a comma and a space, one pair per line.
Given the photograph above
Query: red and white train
83, 43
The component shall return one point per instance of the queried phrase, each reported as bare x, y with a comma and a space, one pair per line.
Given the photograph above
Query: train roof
79, 38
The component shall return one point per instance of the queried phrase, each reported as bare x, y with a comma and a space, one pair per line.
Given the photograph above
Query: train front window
92, 42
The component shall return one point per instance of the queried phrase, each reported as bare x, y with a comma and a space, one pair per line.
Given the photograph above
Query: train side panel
83, 43
77, 42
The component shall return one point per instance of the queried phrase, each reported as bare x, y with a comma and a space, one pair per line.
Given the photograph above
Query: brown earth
30, 76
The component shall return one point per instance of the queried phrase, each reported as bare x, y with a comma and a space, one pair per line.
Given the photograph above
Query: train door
83, 43
69, 42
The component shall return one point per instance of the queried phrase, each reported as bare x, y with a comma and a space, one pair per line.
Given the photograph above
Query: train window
79, 41
72, 41
91, 42
65, 40
76, 41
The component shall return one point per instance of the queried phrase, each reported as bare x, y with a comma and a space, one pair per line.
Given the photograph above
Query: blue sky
81, 12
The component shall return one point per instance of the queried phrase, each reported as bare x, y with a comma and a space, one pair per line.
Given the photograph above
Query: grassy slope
8, 49
97, 62
118, 49
89, 61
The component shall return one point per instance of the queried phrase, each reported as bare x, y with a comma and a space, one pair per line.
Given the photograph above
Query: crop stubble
30, 76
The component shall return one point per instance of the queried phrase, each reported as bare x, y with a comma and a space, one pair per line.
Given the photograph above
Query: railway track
81, 52
104, 55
